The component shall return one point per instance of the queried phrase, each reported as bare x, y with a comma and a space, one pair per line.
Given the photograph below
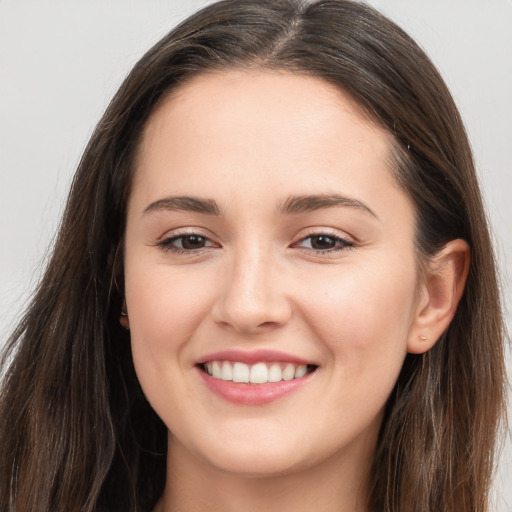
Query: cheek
165, 309
363, 315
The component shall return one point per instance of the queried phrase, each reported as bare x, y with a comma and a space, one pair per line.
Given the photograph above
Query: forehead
246, 93
251, 127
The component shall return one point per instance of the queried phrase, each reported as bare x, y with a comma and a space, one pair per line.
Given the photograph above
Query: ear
440, 293
123, 318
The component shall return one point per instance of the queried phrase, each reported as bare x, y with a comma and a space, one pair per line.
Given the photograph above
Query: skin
250, 140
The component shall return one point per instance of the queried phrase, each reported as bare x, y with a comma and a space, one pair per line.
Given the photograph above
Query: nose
253, 297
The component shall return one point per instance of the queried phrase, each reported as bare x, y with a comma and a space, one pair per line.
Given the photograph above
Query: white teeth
226, 372
216, 370
240, 372
259, 373
289, 372
274, 373
301, 371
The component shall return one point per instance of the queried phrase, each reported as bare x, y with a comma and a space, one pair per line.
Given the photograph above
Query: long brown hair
76, 431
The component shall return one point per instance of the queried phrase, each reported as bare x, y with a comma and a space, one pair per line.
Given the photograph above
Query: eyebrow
309, 203
184, 203
292, 205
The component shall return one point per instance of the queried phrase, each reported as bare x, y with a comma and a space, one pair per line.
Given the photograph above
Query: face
267, 241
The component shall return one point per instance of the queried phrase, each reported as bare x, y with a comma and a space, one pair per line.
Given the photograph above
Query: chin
253, 460
258, 466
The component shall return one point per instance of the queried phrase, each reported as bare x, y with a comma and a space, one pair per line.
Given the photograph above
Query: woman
273, 286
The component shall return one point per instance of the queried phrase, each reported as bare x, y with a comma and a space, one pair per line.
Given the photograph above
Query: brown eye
324, 243
191, 242
186, 243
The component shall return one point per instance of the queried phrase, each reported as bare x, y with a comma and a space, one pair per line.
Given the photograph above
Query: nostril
251, 302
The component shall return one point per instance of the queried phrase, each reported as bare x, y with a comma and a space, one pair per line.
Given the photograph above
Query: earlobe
441, 291
123, 318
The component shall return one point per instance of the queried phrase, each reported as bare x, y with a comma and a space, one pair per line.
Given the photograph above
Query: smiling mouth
258, 373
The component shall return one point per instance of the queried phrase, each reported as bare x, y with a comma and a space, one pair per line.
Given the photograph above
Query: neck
338, 484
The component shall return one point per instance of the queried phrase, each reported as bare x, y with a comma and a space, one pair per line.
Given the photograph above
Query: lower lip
252, 394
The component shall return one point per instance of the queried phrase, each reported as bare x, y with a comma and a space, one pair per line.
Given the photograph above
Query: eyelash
341, 243
167, 246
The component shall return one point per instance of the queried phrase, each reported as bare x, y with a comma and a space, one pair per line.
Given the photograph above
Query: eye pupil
322, 242
193, 242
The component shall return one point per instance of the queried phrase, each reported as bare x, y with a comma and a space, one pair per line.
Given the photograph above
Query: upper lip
252, 357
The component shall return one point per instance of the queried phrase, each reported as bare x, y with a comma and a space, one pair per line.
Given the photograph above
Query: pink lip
252, 357
251, 394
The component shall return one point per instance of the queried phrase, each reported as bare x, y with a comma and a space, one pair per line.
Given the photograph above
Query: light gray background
61, 61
